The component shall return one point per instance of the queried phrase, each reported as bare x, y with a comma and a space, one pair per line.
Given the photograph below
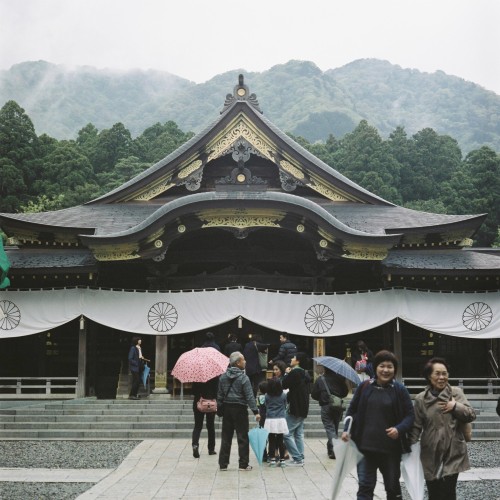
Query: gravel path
109, 454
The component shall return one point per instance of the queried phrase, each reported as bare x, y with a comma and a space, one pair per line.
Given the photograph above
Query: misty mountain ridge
297, 96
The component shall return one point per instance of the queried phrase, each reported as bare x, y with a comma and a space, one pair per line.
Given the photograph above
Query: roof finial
241, 92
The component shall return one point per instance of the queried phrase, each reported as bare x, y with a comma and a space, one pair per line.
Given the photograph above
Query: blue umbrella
145, 374
258, 439
340, 367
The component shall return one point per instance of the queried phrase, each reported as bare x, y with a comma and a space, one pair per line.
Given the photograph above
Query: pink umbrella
200, 365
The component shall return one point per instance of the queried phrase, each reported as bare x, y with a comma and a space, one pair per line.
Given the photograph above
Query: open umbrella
258, 439
340, 367
145, 374
347, 455
200, 365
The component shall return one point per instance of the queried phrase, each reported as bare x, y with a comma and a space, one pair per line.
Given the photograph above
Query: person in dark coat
253, 369
296, 380
235, 393
210, 341
286, 351
383, 415
136, 365
232, 346
329, 416
498, 407
206, 390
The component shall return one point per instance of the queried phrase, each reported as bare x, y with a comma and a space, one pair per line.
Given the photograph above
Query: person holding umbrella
135, 363
235, 395
206, 390
329, 383
382, 414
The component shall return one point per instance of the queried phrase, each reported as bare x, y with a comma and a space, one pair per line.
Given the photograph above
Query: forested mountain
296, 96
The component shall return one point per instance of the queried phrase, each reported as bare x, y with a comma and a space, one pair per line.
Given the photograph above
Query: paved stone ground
165, 469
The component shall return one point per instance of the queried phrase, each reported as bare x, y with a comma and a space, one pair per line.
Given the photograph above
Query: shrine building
242, 231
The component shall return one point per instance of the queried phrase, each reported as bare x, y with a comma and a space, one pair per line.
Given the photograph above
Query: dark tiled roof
109, 219
379, 219
51, 259
465, 259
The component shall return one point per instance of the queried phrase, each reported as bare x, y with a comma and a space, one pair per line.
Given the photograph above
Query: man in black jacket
296, 380
287, 350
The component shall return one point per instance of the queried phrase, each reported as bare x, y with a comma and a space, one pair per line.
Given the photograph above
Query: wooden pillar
319, 347
161, 365
82, 358
398, 348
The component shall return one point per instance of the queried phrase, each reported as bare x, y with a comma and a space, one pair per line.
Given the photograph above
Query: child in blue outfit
276, 420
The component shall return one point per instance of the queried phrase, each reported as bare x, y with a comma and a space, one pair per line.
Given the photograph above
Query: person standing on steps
136, 364
206, 390
210, 341
286, 351
253, 368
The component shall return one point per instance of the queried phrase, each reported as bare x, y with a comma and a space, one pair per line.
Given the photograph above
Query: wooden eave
238, 210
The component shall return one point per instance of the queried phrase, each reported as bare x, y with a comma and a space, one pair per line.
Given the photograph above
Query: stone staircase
95, 419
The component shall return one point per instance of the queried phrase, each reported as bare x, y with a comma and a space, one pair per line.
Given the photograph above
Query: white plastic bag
413, 473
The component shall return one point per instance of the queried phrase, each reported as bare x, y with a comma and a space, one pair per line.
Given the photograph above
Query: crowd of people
386, 423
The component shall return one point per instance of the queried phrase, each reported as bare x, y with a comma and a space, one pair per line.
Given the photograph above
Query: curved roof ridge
284, 198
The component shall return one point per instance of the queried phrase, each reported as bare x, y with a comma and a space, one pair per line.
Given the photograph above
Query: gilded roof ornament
241, 92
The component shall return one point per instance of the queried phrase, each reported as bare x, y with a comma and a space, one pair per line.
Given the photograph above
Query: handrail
488, 384
18, 386
493, 362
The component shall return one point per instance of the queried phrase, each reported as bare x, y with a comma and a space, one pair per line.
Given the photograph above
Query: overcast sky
198, 39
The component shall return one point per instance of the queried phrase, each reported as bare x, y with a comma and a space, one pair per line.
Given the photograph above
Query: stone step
114, 434
150, 418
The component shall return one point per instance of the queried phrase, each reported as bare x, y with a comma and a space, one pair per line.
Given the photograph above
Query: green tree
475, 189
112, 144
18, 142
158, 141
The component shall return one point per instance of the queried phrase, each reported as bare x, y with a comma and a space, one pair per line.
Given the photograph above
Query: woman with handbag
326, 384
382, 414
201, 408
442, 415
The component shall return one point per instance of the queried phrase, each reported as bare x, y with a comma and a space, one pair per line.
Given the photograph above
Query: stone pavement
166, 469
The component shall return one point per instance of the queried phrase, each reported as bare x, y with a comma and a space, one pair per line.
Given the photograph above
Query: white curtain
474, 315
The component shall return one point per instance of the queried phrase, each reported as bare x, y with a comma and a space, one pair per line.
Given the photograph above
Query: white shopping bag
413, 473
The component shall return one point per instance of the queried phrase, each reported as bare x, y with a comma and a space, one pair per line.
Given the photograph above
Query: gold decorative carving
114, 256
323, 243
364, 253
240, 130
466, 242
154, 191
300, 228
187, 171
327, 192
291, 169
160, 380
240, 221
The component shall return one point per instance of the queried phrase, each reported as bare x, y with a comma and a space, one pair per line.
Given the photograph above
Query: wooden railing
488, 386
38, 387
